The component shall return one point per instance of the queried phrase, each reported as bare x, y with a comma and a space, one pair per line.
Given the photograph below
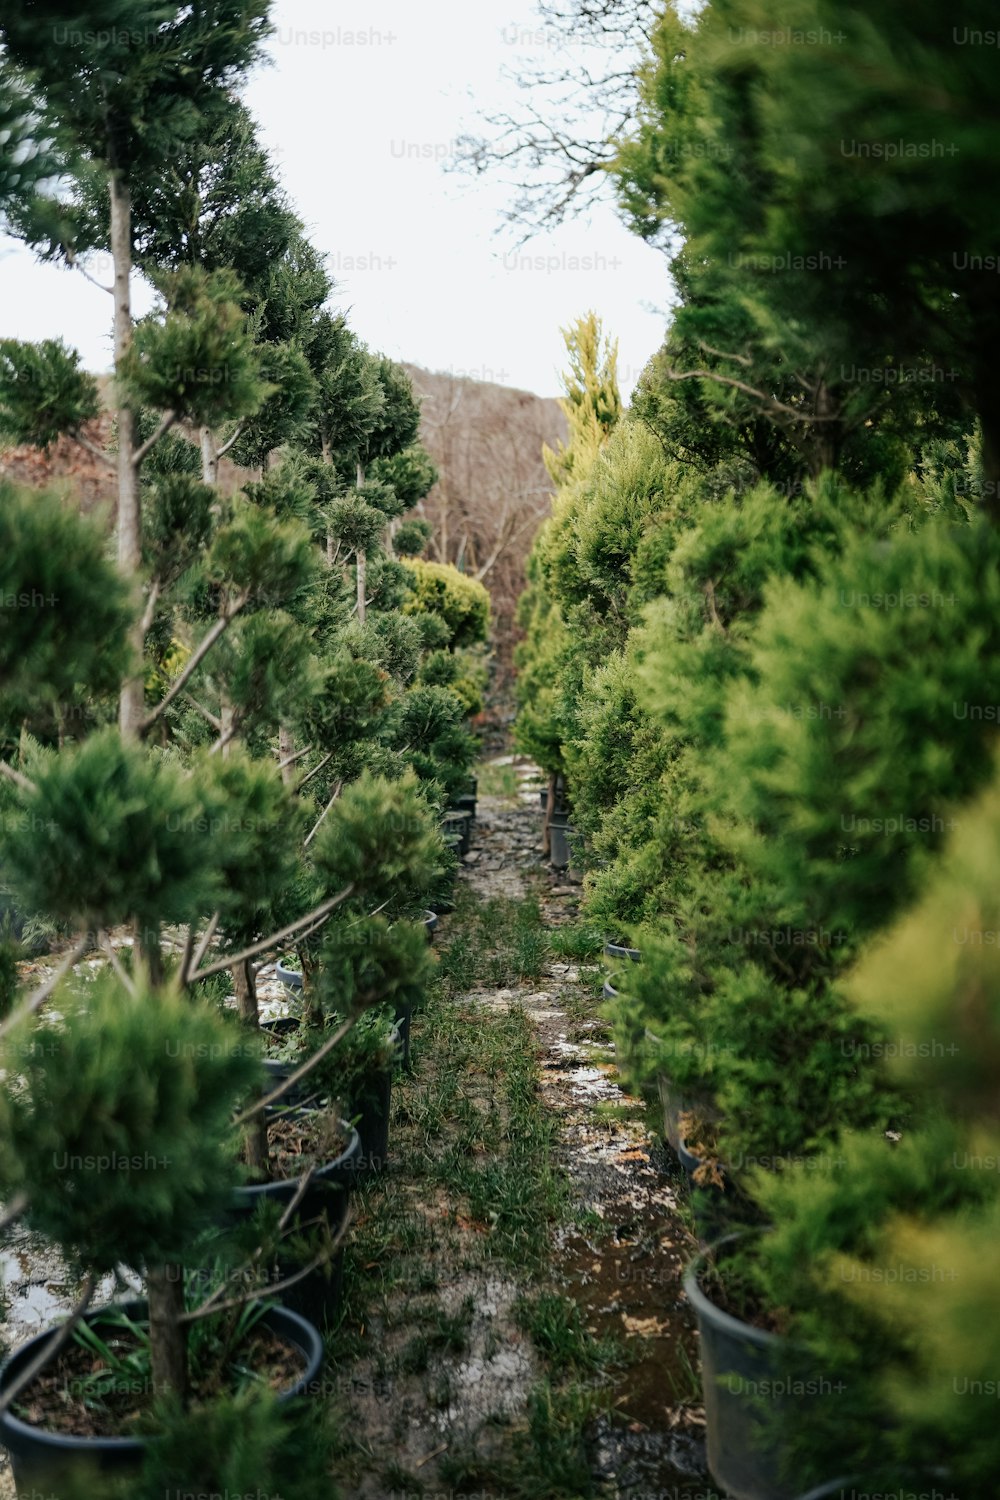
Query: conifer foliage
760, 649
222, 742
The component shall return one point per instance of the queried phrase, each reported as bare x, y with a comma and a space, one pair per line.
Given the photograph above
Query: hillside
494, 490
486, 440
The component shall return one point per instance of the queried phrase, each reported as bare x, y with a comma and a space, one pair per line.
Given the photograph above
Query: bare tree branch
38, 998
195, 660
15, 1208
291, 759
320, 912
104, 943
188, 970
319, 821
274, 1289
314, 772
151, 603
303, 1071
206, 713
16, 777
770, 403
168, 420
94, 450
231, 442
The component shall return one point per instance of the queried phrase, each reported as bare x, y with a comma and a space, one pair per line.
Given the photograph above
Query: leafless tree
555, 150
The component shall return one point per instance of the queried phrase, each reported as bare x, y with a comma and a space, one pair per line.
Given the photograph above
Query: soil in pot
84, 1414
302, 1138
360, 1073
84, 1395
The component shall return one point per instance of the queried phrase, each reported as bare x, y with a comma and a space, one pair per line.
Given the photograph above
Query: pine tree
127, 90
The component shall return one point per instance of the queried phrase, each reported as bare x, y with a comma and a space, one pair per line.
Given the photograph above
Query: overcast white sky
362, 132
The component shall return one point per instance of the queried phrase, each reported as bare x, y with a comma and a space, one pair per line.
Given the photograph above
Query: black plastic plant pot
300, 1094
40, 1459
457, 825
316, 1296
619, 951
543, 798
373, 1121
610, 993
430, 924
373, 1108
404, 1018
559, 850
745, 1369
326, 1193
290, 978
465, 802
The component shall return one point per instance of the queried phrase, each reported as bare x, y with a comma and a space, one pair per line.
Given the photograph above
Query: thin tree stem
274, 939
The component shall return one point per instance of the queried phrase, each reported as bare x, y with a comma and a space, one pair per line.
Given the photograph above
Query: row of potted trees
236, 742
739, 778
760, 651
137, 1112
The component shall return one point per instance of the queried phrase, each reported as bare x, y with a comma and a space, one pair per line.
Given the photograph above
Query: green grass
476, 1190
555, 1324
497, 944
577, 940
498, 781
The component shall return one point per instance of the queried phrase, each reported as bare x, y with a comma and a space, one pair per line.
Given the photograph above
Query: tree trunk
286, 749
245, 989
361, 562
255, 1151
826, 448
550, 807
131, 708
312, 1017
147, 949
168, 1344
227, 718
209, 457
361, 558
989, 419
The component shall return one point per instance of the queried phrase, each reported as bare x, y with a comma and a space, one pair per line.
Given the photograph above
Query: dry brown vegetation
494, 490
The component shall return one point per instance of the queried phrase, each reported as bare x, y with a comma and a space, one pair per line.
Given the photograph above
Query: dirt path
565, 1368
627, 1275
